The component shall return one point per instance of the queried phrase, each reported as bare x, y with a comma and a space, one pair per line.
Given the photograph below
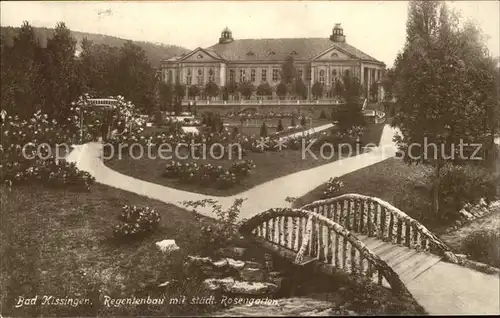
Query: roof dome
226, 36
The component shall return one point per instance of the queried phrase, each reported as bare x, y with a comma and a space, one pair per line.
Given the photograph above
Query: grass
58, 243
391, 180
269, 166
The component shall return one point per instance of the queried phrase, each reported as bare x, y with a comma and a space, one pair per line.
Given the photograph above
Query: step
397, 259
395, 252
385, 253
409, 263
431, 261
421, 265
382, 248
373, 243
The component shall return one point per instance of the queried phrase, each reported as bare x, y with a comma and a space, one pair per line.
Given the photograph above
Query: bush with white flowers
137, 221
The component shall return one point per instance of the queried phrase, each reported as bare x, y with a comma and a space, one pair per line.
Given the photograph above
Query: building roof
279, 49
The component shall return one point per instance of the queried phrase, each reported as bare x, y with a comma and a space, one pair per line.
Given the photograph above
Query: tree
317, 90
300, 89
21, 74
246, 89
135, 77
339, 90
230, 89
60, 68
263, 130
303, 121
179, 91
442, 88
211, 89
293, 123
388, 83
322, 115
374, 91
166, 95
281, 90
264, 89
193, 91
280, 126
288, 70
352, 89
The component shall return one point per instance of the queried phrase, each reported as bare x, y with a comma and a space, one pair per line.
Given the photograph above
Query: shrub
223, 232
280, 126
333, 187
322, 115
483, 246
303, 121
464, 184
242, 169
293, 123
137, 221
158, 118
263, 130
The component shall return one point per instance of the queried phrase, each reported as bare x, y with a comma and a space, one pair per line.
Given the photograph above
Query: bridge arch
301, 235
377, 218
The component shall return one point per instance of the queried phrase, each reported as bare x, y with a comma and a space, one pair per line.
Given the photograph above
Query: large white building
257, 61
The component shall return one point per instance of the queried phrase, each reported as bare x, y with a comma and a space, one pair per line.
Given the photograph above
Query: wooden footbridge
353, 233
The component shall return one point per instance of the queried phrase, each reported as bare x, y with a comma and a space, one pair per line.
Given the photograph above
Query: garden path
262, 197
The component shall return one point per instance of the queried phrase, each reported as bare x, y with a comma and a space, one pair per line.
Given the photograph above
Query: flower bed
28, 155
137, 221
209, 175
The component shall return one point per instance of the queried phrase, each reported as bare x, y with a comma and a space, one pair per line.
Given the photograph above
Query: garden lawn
59, 243
269, 165
391, 180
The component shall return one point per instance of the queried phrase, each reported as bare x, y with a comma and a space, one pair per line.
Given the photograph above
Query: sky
375, 27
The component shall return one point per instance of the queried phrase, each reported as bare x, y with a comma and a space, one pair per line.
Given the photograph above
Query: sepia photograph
249, 158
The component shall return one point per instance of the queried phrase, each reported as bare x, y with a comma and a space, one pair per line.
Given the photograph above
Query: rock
466, 214
214, 284
252, 288
254, 265
221, 263
167, 246
252, 274
235, 264
276, 307
234, 252
450, 257
199, 260
329, 312
164, 284
483, 203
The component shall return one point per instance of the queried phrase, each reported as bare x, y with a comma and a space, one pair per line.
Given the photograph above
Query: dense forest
154, 52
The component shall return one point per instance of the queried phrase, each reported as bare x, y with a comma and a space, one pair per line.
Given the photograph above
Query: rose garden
63, 233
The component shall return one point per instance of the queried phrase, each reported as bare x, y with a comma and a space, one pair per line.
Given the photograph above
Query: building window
335, 55
309, 74
189, 77
346, 72
264, 76
242, 75
252, 75
322, 76
211, 75
299, 74
276, 74
170, 76
199, 79
231, 75
378, 75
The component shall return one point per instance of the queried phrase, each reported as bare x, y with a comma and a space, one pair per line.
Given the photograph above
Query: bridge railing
376, 218
302, 235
